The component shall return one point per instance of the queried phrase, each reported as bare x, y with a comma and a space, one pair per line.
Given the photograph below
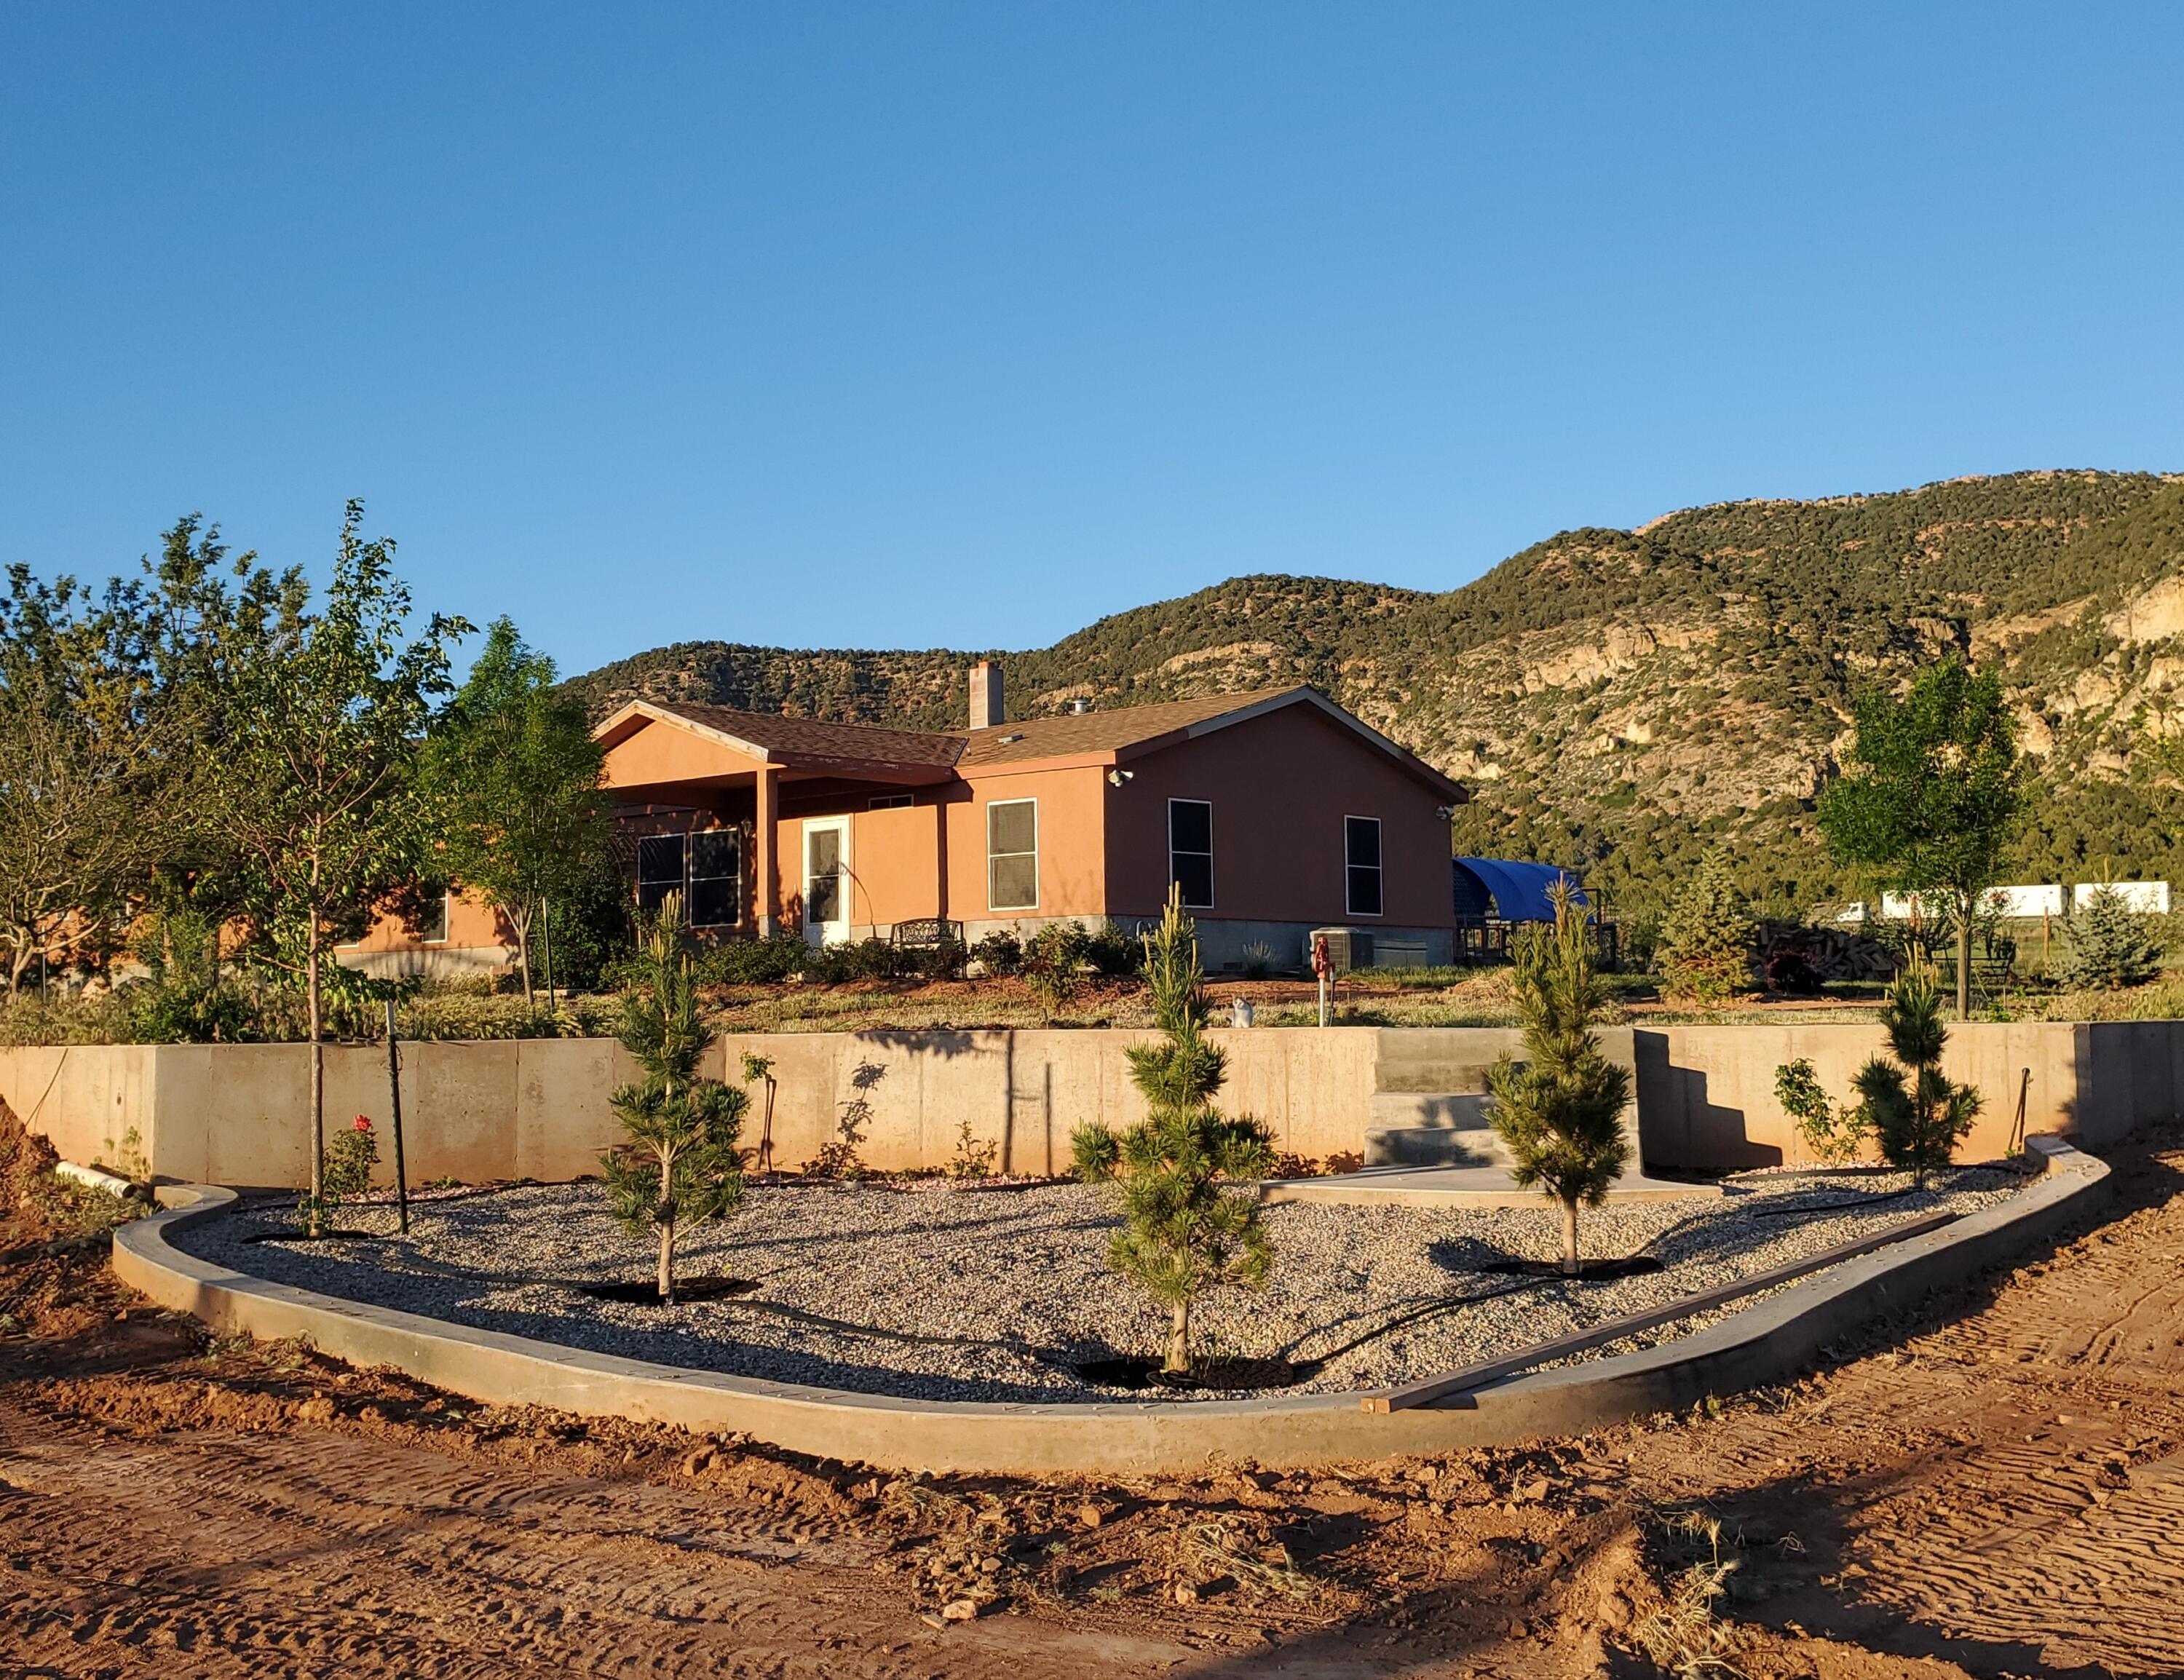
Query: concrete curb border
1762, 1343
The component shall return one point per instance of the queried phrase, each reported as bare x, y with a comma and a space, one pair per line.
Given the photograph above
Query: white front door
826, 880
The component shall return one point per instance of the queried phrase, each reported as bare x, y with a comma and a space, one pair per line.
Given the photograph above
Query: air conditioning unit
1348, 948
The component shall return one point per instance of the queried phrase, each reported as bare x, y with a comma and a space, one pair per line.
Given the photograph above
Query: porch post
766, 887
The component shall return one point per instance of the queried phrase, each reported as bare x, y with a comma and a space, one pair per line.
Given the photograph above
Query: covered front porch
763, 838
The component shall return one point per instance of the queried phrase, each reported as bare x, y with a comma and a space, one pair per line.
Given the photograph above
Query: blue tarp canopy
1519, 890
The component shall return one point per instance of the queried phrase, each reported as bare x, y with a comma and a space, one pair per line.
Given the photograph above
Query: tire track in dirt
214, 1552
2005, 1488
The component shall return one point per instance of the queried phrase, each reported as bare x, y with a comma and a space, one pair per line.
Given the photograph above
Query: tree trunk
668, 1262
1178, 1341
1569, 1240
1963, 956
520, 920
318, 1220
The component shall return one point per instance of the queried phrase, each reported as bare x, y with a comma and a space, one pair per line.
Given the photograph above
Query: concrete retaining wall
538, 1108
1764, 1343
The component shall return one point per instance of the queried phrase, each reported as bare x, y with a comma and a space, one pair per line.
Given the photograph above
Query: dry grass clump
1683, 1636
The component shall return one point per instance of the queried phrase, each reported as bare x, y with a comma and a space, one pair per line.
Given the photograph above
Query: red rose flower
362, 1122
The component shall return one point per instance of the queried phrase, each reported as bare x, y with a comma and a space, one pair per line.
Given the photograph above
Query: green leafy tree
1934, 791
317, 793
512, 775
679, 1165
2108, 947
1916, 1115
1833, 1135
1704, 942
1187, 1228
1560, 1109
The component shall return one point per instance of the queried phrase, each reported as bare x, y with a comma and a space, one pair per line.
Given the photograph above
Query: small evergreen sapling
1916, 1115
1185, 1229
1560, 1110
679, 1166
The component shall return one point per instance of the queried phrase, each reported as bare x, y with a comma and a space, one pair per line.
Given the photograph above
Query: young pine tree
1186, 1229
2109, 947
1916, 1116
1560, 1110
1705, 948
679, 1166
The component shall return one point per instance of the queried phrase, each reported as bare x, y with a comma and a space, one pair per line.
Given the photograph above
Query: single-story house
1278, 812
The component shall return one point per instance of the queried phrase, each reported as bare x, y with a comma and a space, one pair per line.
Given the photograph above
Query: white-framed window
432, 925
659, 868
891, 802
715, 895
1012, 855
1360, 862
1190, 850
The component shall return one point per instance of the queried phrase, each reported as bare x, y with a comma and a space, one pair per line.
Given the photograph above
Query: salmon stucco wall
1280, 787
1073, 857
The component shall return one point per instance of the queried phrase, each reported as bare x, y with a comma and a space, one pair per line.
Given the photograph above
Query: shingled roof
1123, 730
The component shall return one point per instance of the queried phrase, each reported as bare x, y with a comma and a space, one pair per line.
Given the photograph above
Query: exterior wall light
1116, 778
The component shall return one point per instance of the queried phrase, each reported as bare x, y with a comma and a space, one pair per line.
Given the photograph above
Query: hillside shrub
1000, 953
755, 962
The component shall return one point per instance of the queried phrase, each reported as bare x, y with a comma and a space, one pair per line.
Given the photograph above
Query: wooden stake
394, 1102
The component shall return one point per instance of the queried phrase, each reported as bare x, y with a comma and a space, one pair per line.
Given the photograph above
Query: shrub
755, 962
1054, 964
352, 1156
1185, 1229
1705, 943
1112, 953
1915, 1115
1000, 953
187, 1000
1832, 1135
1560, 1110
974, 1156
1258, 960
679, 1165
2107, 944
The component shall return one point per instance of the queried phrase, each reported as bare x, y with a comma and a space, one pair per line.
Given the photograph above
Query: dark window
1012, 855
716, 878
1361, 848
1190, 850
891, 802
432, 920
659, 869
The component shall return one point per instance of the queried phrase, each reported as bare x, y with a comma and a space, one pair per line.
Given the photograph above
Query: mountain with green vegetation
1624, 701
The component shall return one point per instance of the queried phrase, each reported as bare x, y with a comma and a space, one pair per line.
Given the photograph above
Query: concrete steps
1430, 1104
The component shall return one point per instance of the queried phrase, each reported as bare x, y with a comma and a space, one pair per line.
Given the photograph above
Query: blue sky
914, 325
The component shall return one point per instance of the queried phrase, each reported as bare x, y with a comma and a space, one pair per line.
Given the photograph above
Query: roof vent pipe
986, 709
1079, 706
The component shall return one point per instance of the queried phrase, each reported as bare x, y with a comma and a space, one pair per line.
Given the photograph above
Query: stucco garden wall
538, 1108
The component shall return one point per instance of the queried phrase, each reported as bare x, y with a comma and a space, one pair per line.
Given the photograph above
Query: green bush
1705, 943
755, 962
2108, 947
1000, 953
1916, 1115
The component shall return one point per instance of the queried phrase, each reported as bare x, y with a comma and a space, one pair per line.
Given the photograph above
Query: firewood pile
1831, 952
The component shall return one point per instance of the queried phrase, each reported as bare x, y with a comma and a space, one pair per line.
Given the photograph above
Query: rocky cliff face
1620, 700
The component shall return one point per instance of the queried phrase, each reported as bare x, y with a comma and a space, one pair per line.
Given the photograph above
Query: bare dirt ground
1995, 1488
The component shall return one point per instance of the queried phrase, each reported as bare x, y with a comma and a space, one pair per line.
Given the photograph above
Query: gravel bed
935, 1291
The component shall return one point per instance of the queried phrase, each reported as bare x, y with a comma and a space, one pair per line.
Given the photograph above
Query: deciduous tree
315, 787
1934, 789
512, 777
